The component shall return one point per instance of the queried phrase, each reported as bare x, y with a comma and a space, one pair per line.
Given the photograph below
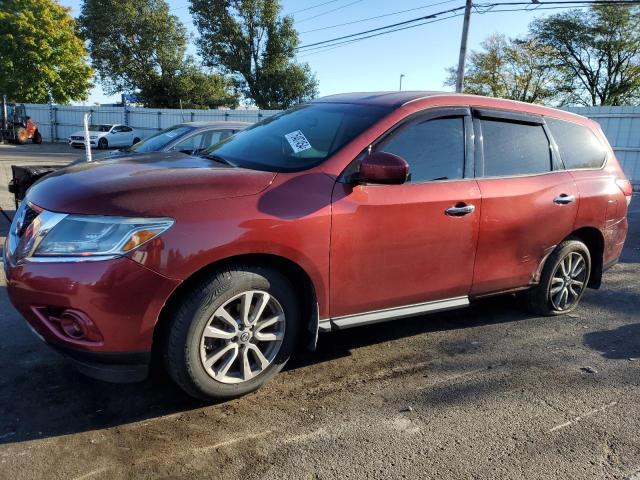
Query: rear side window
579, 147
514, 148
434, 149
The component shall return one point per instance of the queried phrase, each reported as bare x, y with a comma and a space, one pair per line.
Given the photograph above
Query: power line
487, 6
312, 7
324, 46
406, 22
329, 11
376, 17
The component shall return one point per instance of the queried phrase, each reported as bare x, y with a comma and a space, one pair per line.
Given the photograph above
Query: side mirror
383, 167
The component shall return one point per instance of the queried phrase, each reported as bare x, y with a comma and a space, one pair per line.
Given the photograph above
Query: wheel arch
300, 280
594, 240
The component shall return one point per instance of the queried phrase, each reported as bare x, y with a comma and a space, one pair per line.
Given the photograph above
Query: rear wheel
103, 144
563, 281
232, 333
37, 138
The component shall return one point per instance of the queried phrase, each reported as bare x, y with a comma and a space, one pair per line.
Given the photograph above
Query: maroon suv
345, 211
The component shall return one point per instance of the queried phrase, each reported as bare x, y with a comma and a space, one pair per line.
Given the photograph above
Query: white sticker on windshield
298, 141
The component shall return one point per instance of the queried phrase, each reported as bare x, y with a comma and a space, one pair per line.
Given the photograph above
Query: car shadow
338, 344
618, 344
42, 396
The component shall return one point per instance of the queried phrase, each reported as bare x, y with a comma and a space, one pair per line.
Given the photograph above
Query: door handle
564, 199
459, 210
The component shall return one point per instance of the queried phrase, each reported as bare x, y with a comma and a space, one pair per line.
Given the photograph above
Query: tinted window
298, 138
434, 149
514, 148
160, 140
579, 147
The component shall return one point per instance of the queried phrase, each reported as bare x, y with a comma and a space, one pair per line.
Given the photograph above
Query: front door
407, 247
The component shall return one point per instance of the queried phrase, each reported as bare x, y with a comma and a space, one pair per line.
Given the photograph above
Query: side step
358, 319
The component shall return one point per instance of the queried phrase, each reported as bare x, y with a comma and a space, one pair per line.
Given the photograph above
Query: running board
348, 321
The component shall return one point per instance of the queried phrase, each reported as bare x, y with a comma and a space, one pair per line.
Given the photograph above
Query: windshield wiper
219, 159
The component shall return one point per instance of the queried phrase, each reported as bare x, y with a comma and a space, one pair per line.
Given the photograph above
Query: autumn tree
596, 52
41, 53
137, 46
515, 69
249, 39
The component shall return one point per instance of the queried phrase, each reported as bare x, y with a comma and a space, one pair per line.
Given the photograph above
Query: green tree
596, 52
40, 53
250, 40
516, 69
137, 46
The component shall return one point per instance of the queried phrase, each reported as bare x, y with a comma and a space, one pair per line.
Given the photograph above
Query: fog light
72, 325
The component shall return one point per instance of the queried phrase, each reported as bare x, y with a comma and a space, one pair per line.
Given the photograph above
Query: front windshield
297, 139
157, 142
100, 128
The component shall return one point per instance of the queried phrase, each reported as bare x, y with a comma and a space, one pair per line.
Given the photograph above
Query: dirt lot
487, 392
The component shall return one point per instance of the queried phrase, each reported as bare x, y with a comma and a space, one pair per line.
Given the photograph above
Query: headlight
88, 235
85, 237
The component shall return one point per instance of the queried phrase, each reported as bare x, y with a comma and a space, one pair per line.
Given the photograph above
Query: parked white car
105, 135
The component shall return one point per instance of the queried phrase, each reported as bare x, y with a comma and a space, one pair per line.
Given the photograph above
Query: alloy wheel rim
243, 336
568, 281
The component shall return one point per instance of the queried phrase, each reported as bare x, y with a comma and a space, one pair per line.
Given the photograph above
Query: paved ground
488, 392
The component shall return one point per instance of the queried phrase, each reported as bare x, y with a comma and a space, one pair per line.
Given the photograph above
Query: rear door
529, 202
401, 249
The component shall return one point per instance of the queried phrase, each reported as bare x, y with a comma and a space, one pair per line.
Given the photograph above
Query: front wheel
232, 333
103, 144
563, 281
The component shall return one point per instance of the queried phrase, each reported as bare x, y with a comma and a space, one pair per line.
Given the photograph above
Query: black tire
184, 334
103, 144
539, 298
135, 140
37, 138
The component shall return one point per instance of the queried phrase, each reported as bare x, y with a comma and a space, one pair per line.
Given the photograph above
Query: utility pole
463, 47
401, 77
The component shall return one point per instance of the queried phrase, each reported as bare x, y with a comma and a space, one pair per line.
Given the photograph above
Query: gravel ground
487, 392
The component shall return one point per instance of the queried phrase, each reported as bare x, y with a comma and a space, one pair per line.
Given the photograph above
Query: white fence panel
57, 122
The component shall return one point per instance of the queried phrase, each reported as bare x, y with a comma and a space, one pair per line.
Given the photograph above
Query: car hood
144, 184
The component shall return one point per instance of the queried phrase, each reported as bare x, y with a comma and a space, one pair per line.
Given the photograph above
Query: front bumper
119, 300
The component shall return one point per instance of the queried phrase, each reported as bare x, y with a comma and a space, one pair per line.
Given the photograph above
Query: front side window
579, 147
194, 142
511, 148
434, 149
160, 140
297, 139
100, 128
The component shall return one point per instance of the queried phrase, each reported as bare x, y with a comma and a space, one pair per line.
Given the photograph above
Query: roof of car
384, 99
398, 99
217, 124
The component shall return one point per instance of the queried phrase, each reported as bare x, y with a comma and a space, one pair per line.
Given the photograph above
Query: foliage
596, 52
249, 39
509, 68
40, 53
138, 46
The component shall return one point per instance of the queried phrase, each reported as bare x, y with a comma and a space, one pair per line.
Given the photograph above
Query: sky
421, 54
